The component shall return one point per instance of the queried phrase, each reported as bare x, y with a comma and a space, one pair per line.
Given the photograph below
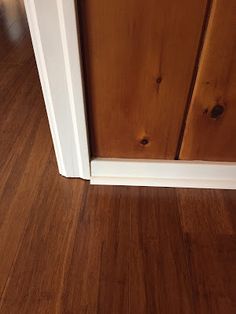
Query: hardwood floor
68, 247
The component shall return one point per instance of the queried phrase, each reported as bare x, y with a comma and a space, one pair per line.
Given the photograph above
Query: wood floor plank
210, 244
158, 265
102, 247
20, 183
204, 211
35, 281
13, 28
230, 205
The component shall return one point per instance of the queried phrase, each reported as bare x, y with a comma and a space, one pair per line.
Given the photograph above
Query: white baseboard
190, 174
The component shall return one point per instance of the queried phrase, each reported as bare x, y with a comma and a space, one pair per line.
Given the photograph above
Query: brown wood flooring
68, 247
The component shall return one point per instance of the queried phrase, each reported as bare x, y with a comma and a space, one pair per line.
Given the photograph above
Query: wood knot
217, 111
144, 141
158, 80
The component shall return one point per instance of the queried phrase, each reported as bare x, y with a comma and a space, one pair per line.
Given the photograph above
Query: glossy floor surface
68, 247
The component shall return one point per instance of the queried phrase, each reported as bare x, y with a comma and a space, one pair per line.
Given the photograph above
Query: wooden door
210, 132
139, 58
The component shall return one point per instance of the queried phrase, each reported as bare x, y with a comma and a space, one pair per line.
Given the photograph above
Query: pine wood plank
211, 129
139, 61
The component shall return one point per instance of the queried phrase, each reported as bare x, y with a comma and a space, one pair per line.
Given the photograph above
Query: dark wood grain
102, 246
208, 221
158, 265
149, 250
67, 247
139, 60
208, 135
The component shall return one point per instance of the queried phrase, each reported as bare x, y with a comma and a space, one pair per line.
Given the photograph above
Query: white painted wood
55, 40
163, 173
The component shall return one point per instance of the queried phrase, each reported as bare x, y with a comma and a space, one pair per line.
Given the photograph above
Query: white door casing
54, 34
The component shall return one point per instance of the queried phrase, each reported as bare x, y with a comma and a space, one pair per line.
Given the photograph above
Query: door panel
139, 58
210, 132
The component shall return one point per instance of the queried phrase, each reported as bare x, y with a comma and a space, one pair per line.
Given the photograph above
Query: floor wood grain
68, 247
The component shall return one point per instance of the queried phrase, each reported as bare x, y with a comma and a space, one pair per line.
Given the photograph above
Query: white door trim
163, 173
54, 35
